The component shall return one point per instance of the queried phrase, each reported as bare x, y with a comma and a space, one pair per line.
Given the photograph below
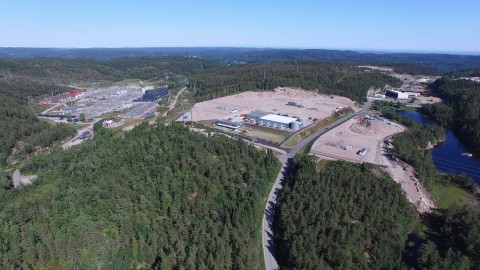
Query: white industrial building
411, 94
275, 121
396, 94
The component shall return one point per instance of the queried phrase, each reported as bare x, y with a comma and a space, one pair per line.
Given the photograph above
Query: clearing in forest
307, 104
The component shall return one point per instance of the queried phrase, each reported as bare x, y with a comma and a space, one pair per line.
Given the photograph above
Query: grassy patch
409, 108
447, 195
128, 122
113, 115
129, 81
273, 131
306, 148
297, 137
266, 136
162, 109
98, 84
80, 125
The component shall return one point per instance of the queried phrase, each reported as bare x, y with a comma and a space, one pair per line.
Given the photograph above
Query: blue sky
406, 25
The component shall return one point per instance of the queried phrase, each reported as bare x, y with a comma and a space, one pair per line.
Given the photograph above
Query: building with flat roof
61, 98
278, 119
255, 116
274, 121
228, 124
396, 94
411, 94
69, 110
75, 93
153, 95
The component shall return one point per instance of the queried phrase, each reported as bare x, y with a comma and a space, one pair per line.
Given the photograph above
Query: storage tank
295, 125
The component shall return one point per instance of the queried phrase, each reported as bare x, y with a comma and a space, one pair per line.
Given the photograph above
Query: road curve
174, 102
269, 212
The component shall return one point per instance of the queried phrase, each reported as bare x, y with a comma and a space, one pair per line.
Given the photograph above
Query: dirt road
174, 102
75, 140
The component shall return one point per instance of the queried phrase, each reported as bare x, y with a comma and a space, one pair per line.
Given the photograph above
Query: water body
447, 155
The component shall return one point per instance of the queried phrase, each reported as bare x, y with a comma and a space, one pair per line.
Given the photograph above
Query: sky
384, 25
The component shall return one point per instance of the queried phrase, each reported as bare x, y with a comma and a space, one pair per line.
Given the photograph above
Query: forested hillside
342, 216
460, 110
440, 62
18, 120
21, 79
328, 78
412, 68
157, 197
80, 70
148, 68
456, 240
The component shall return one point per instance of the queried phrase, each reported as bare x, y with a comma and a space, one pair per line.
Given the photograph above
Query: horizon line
362, 50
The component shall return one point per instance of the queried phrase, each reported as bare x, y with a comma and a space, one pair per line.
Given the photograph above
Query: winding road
268, 215
174, 102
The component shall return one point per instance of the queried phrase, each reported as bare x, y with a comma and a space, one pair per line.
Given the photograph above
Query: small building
411, 94
61, 98
69, 110
228, 124
107, 123
75, 94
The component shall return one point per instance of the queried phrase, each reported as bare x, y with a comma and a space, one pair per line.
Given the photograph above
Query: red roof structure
75, 93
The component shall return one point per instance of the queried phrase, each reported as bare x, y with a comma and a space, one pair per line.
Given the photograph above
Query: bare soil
344, 142
314, 105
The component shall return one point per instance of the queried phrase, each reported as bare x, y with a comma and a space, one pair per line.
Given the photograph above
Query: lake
447, 155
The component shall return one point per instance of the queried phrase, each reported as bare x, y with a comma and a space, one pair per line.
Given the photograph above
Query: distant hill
441, 62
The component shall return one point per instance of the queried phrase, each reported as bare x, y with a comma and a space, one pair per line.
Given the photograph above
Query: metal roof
278, 118
258, 114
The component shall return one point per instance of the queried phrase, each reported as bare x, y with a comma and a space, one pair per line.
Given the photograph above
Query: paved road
267, 226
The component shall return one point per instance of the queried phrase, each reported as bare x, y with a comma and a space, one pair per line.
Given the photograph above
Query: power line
457, 167
457, 163
447, 160
457, 171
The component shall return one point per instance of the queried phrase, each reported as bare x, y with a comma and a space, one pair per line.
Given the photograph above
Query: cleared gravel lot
344, 142
314, 105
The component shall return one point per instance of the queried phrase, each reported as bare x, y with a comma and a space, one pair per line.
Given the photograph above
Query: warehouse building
274, 121
396, 94
153, 95
254, 117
